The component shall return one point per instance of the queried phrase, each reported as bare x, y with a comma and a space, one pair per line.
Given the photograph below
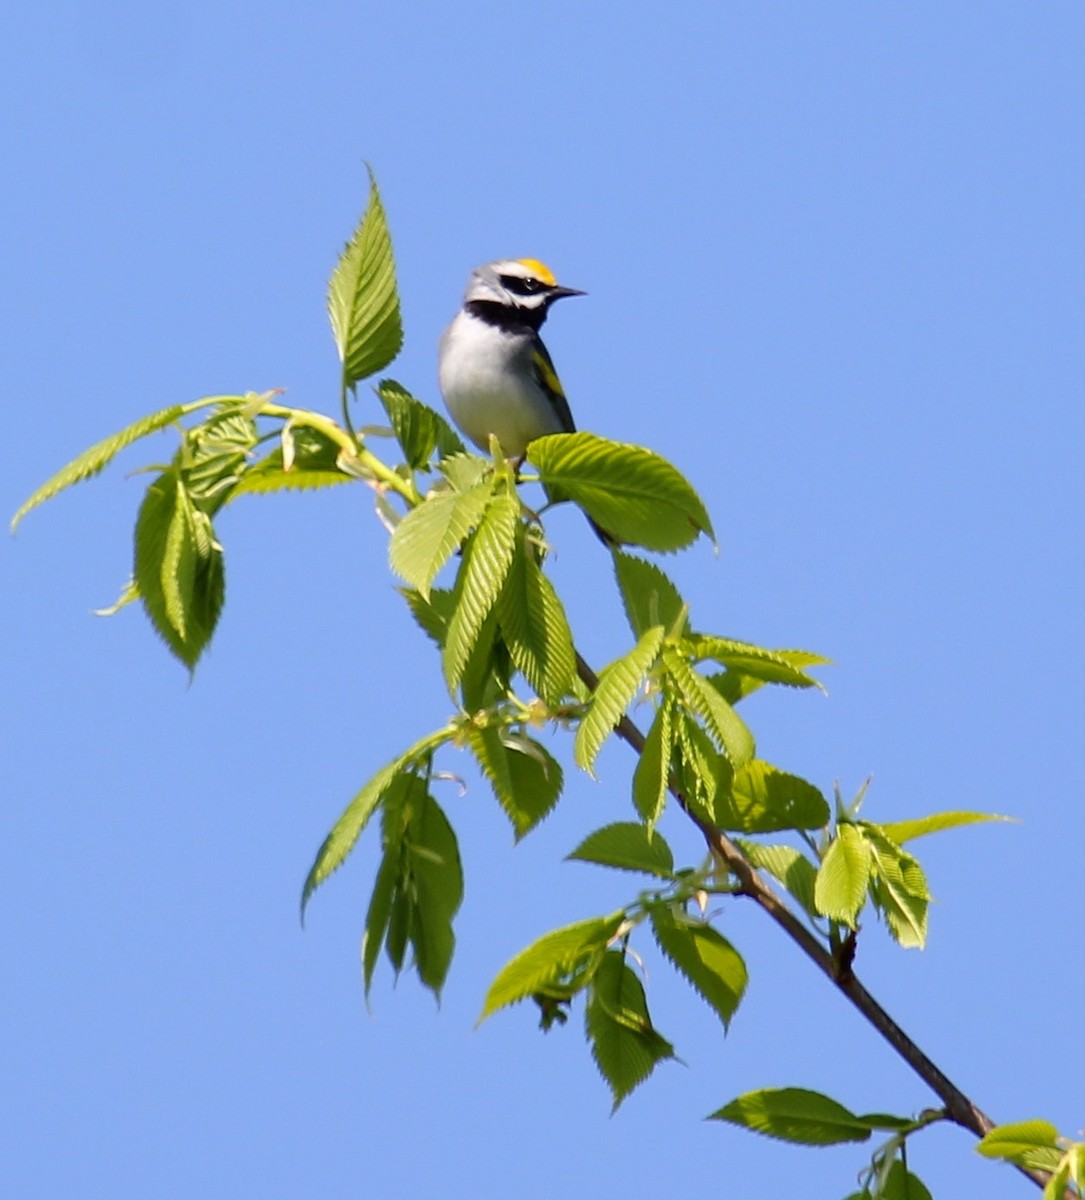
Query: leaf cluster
472, 559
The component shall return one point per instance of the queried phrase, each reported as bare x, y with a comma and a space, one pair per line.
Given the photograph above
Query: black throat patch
506, 316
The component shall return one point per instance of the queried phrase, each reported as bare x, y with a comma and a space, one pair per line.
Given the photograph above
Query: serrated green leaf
764, 799
314, 464
534, 626
1031, 1144
700, 769
733, 686
418, 429
652, 774
724, 725
363, 303
789, 867
488, 670
636, 496
337, 846
629, 846
648, 595
624, 1043
437, 878
756, 662
178, 568
433, 614
97, 457
379, 912
794, 1115
707, 959
215, 453
430, 534
842, 878
898, 889
482, 574
526, 779
549, 960
618, 684
905, 831
463, 471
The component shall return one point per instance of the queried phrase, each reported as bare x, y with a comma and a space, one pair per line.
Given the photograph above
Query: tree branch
959, 1108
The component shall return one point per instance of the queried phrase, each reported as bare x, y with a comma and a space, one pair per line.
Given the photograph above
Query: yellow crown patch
539, 270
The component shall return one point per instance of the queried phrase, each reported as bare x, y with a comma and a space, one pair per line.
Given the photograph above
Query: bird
495, 373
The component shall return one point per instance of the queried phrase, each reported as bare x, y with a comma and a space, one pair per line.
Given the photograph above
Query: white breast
489, 386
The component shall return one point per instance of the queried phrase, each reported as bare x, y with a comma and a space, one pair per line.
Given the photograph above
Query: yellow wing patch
547, 375
539, 270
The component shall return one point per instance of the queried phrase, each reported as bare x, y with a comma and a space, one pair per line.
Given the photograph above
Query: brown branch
958, 1107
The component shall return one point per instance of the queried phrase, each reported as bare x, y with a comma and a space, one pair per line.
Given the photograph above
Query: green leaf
724, 725
1075, 1162
534, 626
345, 832
794, 1115
464, 470
430, 534
888, 1121
707, 959
1058, 1182
419, 885
901, 1184
379, 913
215, 454
652, 774
904, 831
700, 770
843, 876
555, 957
898, 888
433, 614
92, 461
636, 496
629, 846
348, 828
764, 799
314, 464
178, 568
437, 878
624, 1043
756, 662
486, 562
418, 429
526, 779
362, 300
618, 684
488, 670
1030, 1144
648, 595
129, 594
789, 867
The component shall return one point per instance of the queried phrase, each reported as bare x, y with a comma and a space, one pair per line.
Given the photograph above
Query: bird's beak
557, 293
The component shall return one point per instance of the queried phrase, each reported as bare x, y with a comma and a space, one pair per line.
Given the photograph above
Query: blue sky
835, 273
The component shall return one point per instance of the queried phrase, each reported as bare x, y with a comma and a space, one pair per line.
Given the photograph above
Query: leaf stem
385, 476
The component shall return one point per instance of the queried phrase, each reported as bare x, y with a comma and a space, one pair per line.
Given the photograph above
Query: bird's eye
520, 286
